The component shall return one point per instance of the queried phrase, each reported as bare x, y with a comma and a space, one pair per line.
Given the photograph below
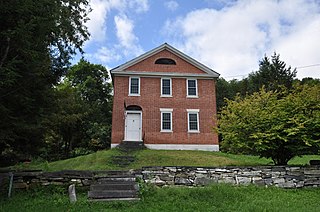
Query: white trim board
212, 147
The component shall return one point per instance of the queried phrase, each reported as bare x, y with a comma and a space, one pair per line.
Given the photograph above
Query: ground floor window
166, 119
193, 120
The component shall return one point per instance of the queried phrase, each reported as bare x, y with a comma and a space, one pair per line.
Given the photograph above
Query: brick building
166, 100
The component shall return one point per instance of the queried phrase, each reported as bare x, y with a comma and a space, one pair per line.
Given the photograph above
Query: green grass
101, 160
217, 197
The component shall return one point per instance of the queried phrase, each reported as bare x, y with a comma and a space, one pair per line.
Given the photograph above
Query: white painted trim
194, 111
192, 96
166, 95
213, 147
114, 145
125, 123
134, 94
163, 74
166, 110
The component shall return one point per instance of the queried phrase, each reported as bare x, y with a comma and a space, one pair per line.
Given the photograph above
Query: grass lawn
101, 160
217, 197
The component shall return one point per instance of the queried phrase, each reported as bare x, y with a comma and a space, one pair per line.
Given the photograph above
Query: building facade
166, 100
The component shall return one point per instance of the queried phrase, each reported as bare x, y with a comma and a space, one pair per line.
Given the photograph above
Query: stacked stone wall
280, 176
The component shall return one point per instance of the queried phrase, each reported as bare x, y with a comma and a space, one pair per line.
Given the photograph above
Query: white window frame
134, 94
187, 86
166, 95
166, 110
194, 111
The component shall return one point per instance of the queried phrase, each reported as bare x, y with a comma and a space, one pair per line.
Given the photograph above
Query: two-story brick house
166, 100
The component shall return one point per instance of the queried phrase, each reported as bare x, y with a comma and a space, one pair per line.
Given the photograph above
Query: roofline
163, 74
171, 49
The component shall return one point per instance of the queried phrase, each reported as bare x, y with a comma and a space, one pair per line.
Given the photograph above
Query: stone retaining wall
280, 176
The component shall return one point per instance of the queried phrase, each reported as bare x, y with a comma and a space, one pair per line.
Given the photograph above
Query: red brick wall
181, 66
151, 102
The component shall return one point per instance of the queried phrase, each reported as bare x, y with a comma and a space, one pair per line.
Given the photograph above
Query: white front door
133, 126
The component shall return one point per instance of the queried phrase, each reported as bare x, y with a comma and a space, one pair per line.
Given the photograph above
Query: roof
120, 70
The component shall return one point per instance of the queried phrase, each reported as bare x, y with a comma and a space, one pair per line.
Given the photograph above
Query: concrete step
110, 182
114, 186
112, 194
115, 178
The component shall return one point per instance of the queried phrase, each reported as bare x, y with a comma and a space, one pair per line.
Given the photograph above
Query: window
193, 120
165, 61
166, 119
192, 88
134, 86
166, 87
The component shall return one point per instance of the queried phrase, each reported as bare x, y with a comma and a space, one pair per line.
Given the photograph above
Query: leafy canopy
273, 124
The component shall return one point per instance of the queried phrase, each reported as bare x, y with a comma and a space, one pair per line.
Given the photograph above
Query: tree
81, 122
37, 40
272, 74
273, 124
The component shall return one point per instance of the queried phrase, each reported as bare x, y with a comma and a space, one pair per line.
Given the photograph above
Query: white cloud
97, 26
127, 39
233, 40
107, 55
171, 5
139, 5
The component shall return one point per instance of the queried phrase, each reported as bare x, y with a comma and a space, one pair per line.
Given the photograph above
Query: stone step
117, 178
110, 182
112, 194
114, 186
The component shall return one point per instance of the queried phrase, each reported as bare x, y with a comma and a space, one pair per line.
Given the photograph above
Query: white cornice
163, 74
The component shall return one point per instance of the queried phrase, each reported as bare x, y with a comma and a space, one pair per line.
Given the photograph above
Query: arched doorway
133, 123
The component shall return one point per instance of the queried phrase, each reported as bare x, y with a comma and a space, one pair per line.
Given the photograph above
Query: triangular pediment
172, 62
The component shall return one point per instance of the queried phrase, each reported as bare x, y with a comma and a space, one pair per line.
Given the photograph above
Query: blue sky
228, 36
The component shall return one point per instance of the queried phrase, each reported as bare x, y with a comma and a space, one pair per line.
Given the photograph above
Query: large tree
37, 41
81, 122
273, 124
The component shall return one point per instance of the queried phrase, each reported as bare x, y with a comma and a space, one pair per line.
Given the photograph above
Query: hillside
102, 160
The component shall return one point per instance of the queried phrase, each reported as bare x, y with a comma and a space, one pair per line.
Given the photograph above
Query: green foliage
37, 39
217, 197
272, 74
277, 125
81, 122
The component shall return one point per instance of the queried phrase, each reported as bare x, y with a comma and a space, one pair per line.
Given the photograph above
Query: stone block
312, 171
227, 180
278, 180
243, 180
204, 181
20, 185
182, 181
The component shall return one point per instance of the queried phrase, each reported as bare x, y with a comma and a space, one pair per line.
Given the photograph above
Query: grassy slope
101, 160
218, 197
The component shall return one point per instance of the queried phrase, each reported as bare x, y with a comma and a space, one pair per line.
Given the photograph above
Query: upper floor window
166, 87
165, 61
134, 86
192, 88
193, 120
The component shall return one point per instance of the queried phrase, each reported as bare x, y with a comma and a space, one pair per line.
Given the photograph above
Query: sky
229, 36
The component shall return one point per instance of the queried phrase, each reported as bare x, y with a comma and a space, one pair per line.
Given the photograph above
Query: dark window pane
165, 61
134, 88
192, 88
166, 85
166, 121
193, 122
